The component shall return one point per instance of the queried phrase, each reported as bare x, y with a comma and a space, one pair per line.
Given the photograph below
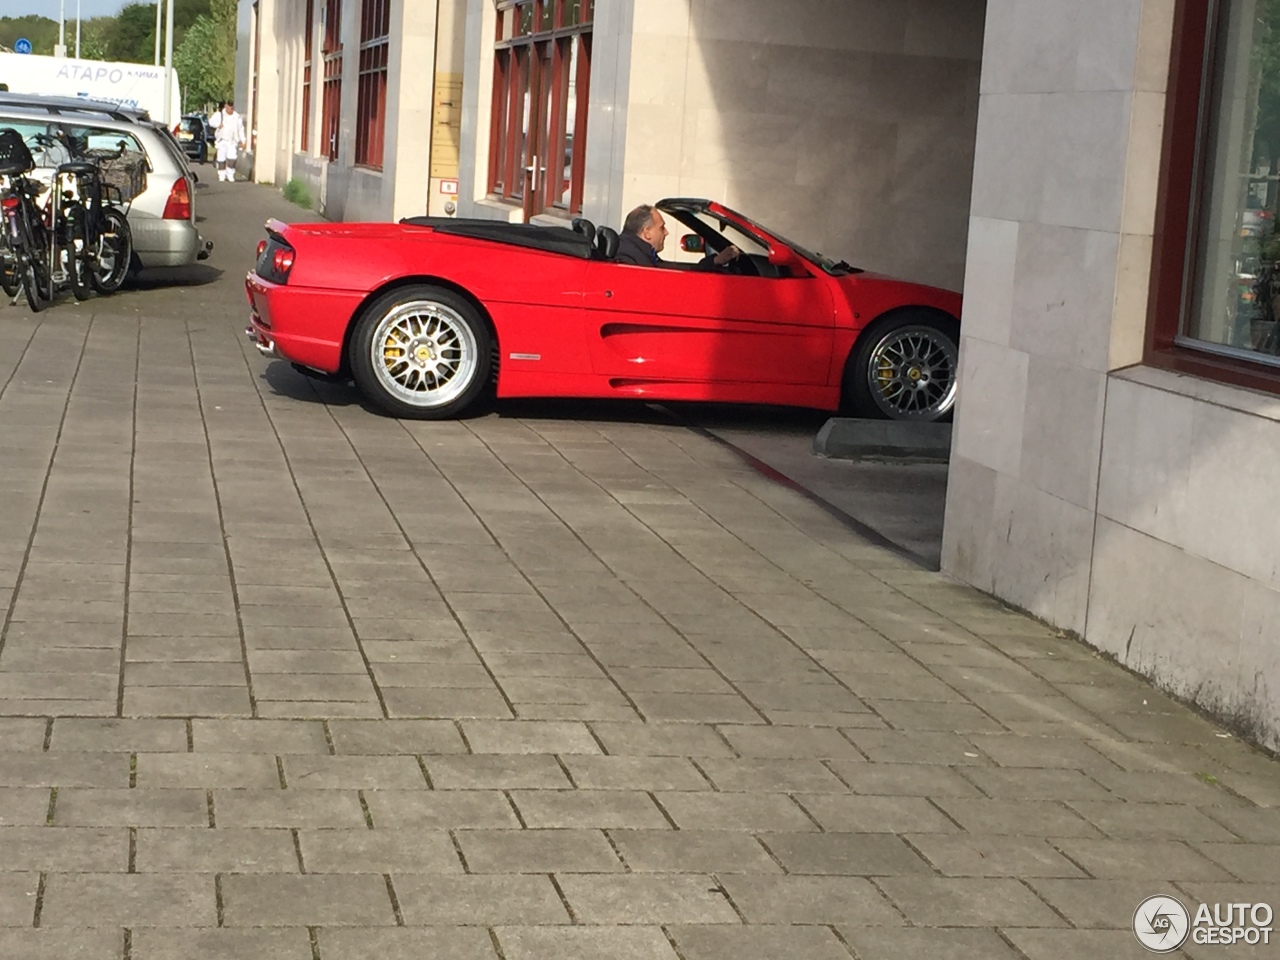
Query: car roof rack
60, 106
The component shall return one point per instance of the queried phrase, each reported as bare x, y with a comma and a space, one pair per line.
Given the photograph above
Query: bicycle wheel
109, 264
35, 282
80, 272
10, 278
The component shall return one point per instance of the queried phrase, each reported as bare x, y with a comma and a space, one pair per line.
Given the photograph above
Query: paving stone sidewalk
284, 679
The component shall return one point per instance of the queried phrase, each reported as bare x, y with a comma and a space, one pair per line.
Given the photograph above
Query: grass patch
295, 191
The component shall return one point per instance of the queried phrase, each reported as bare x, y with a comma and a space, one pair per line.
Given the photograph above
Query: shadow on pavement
285, 381
899, 504
601, 411
196, 275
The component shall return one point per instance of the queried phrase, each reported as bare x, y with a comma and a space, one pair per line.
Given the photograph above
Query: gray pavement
284, 679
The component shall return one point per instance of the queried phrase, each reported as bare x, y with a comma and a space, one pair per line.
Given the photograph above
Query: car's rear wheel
905, 367
422, 353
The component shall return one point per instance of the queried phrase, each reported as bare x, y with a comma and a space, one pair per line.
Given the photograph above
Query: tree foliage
206, 61
133, 35
41, 31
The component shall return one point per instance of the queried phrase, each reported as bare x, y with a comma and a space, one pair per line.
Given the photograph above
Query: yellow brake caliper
392, 350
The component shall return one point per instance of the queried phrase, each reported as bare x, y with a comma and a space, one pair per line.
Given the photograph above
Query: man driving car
644, 234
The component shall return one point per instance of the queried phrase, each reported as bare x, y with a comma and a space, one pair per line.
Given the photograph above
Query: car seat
607, 242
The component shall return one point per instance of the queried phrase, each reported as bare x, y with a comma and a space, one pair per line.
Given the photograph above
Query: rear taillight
9, 204
282, 262
178, 206
262, 245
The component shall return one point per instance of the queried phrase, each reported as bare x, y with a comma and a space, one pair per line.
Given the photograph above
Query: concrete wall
1131, 506
849, 126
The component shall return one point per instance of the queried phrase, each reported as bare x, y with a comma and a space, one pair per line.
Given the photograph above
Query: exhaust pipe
265, 347
204, 251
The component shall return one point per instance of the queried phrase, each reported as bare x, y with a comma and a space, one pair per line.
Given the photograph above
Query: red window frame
1177, 214
331, 97
304, 141
371, 89
534, 51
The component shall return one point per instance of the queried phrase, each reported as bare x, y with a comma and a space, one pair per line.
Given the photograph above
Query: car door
673, 324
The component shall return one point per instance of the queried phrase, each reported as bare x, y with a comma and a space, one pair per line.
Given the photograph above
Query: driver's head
647, 223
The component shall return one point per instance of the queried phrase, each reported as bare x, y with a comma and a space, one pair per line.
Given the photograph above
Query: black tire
904, 367
114, 255
79, 270
433, 353
10, 278
35, 282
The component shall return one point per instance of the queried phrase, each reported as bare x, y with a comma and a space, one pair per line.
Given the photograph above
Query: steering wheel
743, 266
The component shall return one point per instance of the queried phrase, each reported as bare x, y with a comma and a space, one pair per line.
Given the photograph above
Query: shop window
331, 96
304, 141
542, 71
1215, 306
371, 93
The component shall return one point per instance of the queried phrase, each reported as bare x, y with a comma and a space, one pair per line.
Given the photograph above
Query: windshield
837, 268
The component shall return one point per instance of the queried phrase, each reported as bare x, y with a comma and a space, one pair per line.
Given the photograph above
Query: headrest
585, 227
607, 241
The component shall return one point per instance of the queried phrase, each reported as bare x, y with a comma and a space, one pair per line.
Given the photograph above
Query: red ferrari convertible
427, 313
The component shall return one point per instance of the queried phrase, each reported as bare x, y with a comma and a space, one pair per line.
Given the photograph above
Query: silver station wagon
162, 217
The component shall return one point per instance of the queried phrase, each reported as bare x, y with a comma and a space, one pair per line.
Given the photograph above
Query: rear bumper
299, 324
165, 243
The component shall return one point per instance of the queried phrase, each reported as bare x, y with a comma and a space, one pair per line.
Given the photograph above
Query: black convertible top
549, 239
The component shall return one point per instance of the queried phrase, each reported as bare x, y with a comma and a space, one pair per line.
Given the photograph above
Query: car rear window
193, 125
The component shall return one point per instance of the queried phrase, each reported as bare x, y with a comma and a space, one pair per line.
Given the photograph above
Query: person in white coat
229, 137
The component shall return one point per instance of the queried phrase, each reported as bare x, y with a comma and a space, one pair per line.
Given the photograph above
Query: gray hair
638, 219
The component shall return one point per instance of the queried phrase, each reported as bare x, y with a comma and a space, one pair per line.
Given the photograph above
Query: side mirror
780, 256
692, 243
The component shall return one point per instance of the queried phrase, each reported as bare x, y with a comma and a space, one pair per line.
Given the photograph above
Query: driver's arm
716, 261
727, 255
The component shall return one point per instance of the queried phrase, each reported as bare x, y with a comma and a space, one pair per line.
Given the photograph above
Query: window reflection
1236, 287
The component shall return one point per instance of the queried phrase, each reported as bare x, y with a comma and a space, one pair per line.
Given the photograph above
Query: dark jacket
637, 252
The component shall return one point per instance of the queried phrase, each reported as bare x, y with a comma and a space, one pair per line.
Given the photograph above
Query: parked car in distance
162, 217
193, 135
63, 106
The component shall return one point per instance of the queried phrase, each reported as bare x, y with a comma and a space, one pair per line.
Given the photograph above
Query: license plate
186, 136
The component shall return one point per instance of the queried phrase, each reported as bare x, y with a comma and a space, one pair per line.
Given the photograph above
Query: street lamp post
168, 62
77, 29
62, 29
157, 33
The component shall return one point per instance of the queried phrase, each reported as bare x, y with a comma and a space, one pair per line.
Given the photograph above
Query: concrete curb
847, 439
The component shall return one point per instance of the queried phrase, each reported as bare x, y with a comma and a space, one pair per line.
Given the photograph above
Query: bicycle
95, 229
80, 239
25, 232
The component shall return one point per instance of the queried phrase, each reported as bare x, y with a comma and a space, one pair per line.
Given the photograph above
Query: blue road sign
22, 46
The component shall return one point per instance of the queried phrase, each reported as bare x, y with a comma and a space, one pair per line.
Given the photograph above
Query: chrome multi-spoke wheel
421, 352
905, 368
912, 374
424, 353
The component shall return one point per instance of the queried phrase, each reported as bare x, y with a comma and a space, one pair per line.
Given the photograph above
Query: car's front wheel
905, 367
422, 353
